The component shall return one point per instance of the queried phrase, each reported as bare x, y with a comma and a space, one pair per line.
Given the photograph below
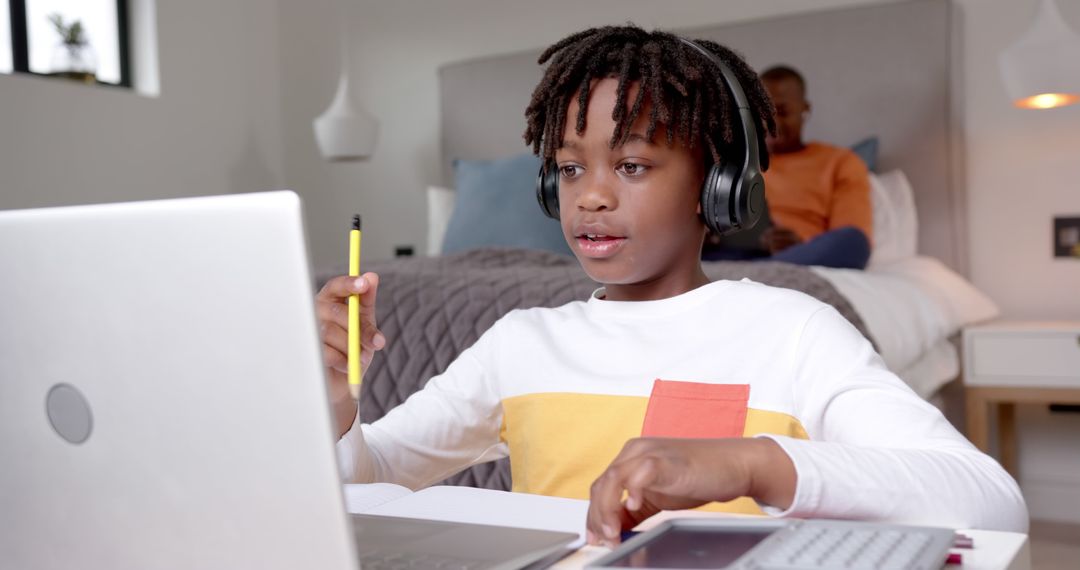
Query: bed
880, 72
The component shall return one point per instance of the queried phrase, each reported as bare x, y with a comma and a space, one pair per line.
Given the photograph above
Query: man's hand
778, 238
332, 309
673, 474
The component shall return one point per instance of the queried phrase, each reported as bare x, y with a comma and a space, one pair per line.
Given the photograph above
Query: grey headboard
881, 70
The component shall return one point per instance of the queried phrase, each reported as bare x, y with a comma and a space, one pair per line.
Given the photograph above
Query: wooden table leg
1006, 413
978, 429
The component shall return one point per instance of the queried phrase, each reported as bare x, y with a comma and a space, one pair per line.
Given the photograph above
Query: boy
578, 395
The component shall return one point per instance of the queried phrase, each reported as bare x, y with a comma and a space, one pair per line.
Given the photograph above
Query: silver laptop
162, 401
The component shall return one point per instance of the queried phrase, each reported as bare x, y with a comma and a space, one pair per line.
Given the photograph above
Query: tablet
771, 543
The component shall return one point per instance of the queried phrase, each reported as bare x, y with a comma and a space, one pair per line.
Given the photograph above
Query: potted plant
73, 57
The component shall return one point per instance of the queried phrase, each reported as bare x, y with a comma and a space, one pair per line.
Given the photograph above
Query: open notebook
470, 505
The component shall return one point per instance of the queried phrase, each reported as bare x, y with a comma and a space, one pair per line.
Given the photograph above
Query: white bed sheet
911, 307
936, 367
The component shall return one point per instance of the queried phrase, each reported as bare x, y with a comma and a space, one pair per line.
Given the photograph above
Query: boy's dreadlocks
686, 90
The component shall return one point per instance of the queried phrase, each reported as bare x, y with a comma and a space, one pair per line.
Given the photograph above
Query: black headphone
733, 193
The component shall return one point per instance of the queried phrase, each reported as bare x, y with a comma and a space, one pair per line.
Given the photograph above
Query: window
81, 39
5, 37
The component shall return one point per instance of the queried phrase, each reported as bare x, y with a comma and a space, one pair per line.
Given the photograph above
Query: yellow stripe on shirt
561, 442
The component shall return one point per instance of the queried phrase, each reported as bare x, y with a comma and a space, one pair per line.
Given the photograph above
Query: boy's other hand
779, 238
660, 474
332, 310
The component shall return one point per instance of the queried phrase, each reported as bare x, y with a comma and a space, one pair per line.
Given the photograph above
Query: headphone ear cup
730, 202
751, 200
547, 189
717, 199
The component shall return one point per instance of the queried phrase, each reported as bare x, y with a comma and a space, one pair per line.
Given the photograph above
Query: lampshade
1042, 69
345, 131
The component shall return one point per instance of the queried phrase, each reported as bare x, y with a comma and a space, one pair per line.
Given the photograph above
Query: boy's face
630, 214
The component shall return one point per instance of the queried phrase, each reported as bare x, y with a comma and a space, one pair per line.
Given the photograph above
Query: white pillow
440, 206
896, 225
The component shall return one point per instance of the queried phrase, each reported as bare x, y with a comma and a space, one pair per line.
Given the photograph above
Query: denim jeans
845, 248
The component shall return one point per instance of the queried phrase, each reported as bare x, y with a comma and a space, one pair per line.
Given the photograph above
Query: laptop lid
162, 402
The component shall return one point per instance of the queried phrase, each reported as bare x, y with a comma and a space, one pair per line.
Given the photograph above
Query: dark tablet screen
682, 547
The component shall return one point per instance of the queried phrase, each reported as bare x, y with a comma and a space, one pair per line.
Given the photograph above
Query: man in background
818, 194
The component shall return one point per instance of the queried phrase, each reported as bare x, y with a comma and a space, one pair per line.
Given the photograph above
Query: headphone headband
748, 126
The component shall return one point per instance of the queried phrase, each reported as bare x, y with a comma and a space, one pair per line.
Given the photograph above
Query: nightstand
1011, 362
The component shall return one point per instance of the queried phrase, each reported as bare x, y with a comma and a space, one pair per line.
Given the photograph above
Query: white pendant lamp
1041, 70
345, 131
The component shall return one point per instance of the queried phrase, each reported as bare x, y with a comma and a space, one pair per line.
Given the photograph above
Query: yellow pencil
356, 373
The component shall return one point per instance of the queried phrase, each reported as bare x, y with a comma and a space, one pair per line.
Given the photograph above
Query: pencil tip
356, 222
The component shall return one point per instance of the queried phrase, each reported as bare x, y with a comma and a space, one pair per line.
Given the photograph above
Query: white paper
485, 506
362, 498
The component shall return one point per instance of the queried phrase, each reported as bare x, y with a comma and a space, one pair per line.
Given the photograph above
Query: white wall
1023, 167
215, 128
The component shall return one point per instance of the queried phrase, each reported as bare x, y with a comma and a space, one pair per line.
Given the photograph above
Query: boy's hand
672, 474
332, 309
778, 238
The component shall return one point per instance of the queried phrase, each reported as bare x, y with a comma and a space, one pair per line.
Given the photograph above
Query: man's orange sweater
819, 188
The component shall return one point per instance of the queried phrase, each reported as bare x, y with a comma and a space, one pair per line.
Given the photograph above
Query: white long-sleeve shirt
561, 391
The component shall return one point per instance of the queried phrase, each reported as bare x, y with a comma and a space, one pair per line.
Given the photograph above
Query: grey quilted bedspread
432, 308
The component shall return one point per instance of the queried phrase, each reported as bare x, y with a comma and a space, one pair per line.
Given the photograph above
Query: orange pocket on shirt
696, 410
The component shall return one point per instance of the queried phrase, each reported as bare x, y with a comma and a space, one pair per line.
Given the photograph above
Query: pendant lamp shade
345, 131
1041, 70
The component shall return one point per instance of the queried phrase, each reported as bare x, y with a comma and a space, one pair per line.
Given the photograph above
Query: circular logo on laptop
69, 413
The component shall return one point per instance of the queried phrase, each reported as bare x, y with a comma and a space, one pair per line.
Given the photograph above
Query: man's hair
782, 72
686, 90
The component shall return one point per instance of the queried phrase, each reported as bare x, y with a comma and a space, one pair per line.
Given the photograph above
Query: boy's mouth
599, 246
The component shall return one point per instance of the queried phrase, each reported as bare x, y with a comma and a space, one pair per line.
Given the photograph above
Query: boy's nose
598, 195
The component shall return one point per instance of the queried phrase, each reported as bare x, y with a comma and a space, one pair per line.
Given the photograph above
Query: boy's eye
632, 168
569, 170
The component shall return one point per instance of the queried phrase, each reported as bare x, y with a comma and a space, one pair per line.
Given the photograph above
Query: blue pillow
867, 150
496, 206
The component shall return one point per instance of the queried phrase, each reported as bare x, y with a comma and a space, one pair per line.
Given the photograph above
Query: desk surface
992, 551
